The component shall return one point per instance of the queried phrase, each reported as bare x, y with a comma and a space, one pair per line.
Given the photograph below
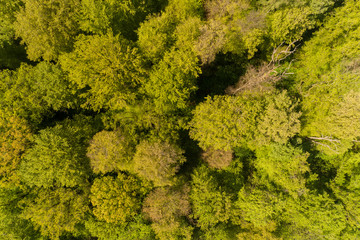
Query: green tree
285, 166
160, 32
119, 16
225, 122
56, 211
173, 80
58, 156
314, 216
33, 92
328, 68
111, 151
48, 28
8, 10
158, 161
288, 25
210, 204
117, 200
347, 188
12, 226
258, 211
106, 68
135, 229
280, 120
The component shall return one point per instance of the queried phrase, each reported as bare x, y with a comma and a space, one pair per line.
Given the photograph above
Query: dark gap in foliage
218, 75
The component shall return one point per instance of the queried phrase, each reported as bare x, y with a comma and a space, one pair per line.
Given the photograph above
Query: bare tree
264, 77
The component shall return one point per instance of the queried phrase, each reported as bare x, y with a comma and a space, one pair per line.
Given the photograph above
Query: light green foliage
187, 33
32, 92
289, 24
160, 32
258, 210
56, 211
135, 229
328, 68
58, 155
173, 80
110, 151
120, 16
315, 216
285, 166
107, 68
154, 38
15, 135
224, 122
158, 161
346, 186
344, 117
210, 204
280, 121
117, 200
47, 27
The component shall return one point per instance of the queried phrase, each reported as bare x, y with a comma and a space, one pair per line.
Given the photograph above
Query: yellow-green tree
117, 199
48, 27
166, 208
15, 136
106, 68
58, 155
158, 161
110, 151
56, 211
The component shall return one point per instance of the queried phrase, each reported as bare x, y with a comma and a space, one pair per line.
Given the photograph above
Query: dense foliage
179, 119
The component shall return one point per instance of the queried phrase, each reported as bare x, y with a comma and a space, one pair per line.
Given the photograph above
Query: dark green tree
58, 155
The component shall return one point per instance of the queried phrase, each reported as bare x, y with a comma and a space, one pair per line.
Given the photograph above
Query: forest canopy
179, 119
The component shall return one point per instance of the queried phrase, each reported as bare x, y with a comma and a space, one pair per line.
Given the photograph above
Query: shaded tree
33, 92
57, 156
12, 226
210, 204
56, 211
